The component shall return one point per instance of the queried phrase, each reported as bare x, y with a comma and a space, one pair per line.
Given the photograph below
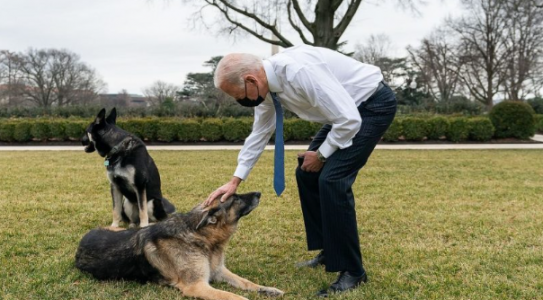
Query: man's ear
100, 117
207, 219
112, 118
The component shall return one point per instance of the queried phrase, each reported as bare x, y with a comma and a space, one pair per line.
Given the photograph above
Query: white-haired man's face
254, 86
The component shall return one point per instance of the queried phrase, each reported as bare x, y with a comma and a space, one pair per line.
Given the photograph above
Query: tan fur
190, 262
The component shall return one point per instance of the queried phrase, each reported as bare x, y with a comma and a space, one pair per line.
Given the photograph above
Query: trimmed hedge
235, 130
189, 131
167, 130
211, 130
76, 129
7, 129
437, 128
40, 130
394, 132
458, 129
57, 130
22, 132
480, 129
454, 129
414, 129
513, 119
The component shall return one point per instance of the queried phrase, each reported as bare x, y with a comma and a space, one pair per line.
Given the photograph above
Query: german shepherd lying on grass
131, 171
185, 251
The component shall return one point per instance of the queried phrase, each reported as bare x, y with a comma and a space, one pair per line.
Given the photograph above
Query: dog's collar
120, 147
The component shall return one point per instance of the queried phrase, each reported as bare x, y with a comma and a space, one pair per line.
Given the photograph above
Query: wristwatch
320, 156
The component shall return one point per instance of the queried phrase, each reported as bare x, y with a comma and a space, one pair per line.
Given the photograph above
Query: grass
432, 224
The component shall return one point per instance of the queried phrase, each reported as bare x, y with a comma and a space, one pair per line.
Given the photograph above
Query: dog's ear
207, 218
112, 118
100, 117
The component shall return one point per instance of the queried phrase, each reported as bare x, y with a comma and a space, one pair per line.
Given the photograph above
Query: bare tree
75, 82
314, 22
524, 40
56, 77
484, 51
376, 51
38, 79
438, 64
159, 91
10, 79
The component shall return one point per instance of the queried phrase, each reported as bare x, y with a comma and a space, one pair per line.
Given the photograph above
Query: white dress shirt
317, 84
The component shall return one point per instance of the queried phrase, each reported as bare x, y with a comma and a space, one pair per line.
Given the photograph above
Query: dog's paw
114, 224
270, 291
111, 228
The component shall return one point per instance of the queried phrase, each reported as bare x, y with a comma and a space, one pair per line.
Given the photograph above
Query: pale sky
133, 43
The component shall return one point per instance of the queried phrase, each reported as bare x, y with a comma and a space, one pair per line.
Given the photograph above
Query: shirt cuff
326, 149
242, 172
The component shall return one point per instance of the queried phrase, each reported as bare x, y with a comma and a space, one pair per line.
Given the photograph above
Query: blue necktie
279, 159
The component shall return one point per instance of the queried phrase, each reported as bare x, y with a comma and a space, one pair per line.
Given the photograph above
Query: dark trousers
326, 196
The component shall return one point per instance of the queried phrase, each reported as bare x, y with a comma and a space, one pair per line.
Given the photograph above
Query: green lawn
432, 224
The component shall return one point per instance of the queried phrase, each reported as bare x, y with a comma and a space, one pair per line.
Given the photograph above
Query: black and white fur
131, 171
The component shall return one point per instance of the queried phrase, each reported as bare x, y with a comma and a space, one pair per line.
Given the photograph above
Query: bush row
454, 129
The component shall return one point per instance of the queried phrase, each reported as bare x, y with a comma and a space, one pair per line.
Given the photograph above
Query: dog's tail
169, 208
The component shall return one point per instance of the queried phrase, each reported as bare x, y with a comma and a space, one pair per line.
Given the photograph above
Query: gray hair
233, 67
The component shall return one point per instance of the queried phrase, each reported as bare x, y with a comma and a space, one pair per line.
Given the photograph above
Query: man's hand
226, 191
311, 162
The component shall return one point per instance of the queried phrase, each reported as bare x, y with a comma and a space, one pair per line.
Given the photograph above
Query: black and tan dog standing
131, 171
185, 251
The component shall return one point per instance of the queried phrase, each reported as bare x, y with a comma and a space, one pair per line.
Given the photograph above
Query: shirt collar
273, 82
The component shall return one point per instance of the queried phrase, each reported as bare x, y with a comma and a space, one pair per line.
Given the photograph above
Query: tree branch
336, 4
300, 32
283, 43
272, 28
347, 18
300, 13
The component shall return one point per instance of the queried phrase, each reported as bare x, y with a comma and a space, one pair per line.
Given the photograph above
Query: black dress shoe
312, 263
344, 282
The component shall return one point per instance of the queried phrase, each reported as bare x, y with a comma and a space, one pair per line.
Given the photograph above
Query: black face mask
248, 102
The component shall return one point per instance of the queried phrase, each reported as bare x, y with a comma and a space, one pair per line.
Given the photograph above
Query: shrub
480, 129
211, 130
235, 130
189, 131
57, 130
40, 130
75, 129
458, 129
536, 104
298, 129
539, 123
149, 129
437, 127
134, 126
513, 119
414, 129
6, 131
21, 133
167, 130
393, 132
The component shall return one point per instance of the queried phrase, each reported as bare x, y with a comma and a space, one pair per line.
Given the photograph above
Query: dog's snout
258, 194
85, 140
